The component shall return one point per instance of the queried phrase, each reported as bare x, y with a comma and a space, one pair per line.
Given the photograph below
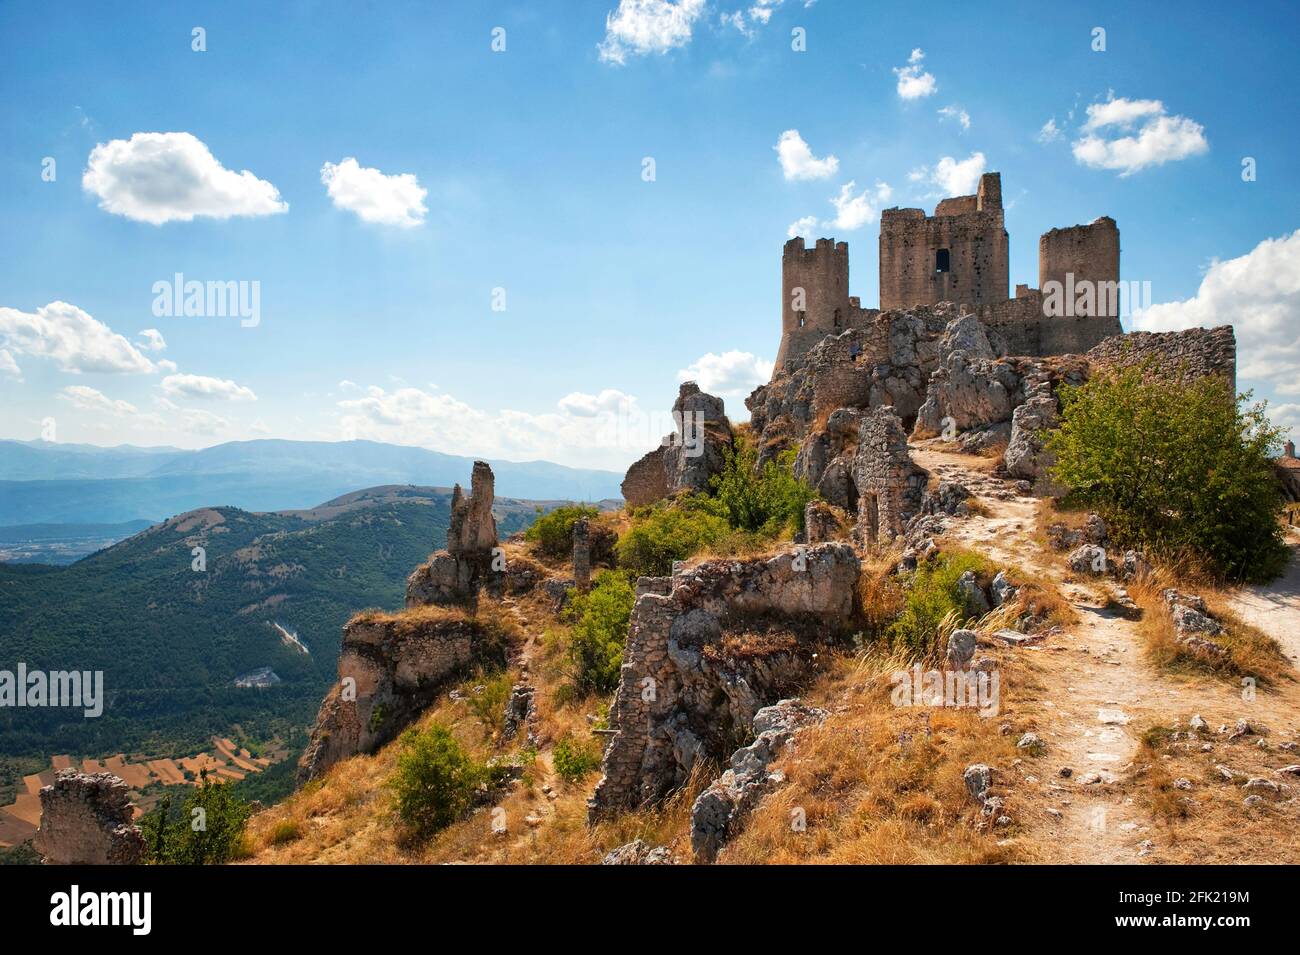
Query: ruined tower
959, 254
814, 294
1083, 253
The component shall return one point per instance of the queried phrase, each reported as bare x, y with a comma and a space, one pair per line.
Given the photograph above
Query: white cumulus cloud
733, 374
853, 211
956, 113
1259, 295
72, 338
152, 339
1130, 135
201, 386
639, 27
375, 197
798, 161
913, 81
952, 177
91, 399
165, 177
8, 366
803, 226
1049, 132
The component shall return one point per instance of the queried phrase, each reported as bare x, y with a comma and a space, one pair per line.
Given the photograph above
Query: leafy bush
669, 532
933, 598
769, 500
489, 706
574, 760
435, 780
600, 621
285, 831
208, 830
1180, 469
553, 532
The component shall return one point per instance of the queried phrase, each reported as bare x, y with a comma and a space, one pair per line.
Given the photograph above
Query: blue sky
517, 176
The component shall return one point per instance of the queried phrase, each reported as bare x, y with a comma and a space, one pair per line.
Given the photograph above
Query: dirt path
1090, 690
1275, 607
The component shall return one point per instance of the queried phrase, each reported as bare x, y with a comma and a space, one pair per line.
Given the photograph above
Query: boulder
638, 852
1088, 559
1027, 456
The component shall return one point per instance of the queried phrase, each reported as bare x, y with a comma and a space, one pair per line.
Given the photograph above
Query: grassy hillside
171, 640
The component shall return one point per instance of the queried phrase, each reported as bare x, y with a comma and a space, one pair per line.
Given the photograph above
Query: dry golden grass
411, 619
1251, 652
877, 784
1210, 823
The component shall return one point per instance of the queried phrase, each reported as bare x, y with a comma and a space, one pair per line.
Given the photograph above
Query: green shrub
489, 706
208, 830
435, 780
669, 532
574, 760
932, 598
553, 532
769, 500
1179, 469
600, 621
285, 831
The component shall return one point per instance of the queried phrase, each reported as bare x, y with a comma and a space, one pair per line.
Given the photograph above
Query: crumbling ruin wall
889, 485
687, 689
1191, 353
87, 820
1087, 253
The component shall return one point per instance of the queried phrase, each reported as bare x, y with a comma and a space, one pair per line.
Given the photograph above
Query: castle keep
957, 255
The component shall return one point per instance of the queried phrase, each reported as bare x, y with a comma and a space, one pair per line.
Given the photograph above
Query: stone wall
889, 486
87, 820
689, 458
1192, 353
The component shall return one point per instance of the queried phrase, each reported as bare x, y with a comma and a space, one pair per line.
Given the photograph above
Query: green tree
209, 829
768, 500
600, 622
435, 780
553, 532
1178, 468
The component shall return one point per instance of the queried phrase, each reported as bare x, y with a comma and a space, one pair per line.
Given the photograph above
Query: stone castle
957, 255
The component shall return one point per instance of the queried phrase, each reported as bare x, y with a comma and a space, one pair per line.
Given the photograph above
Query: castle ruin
959, 255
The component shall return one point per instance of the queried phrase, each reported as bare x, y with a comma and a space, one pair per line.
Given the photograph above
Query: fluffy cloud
1259, 295
8, 366
639, 27
90, 399
758, 15
165, 177
855, 211
1130, 135
804, 226
1049, 132
201, 386
605, 430
388, 200
69, 336
798, 161
913, 81
732, 374
152, 339
951, 176
197, 421
956, 113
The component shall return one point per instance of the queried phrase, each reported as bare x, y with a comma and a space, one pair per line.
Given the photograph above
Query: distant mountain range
48, 483
172, 640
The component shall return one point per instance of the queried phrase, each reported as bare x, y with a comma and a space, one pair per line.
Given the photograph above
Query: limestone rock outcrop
706, 651
719, 812
1027, 456
637, 852
455, 575
391, 666
687, 459
86, 819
